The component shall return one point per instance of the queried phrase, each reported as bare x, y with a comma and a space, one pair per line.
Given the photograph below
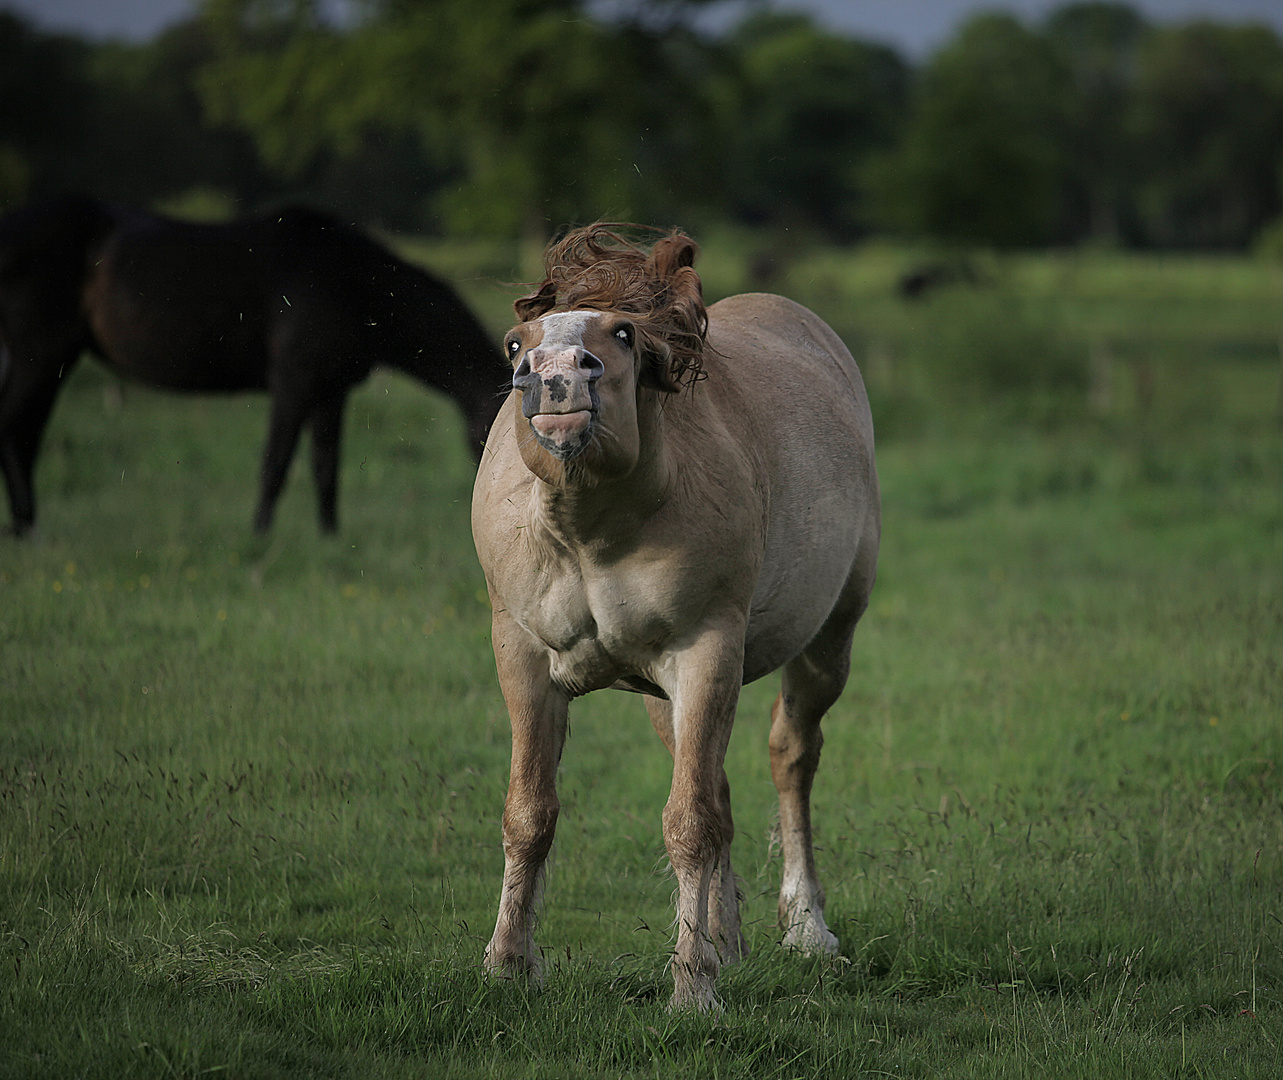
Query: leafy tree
807, 107
150, 139
520, 113
280, 74
508, 116
981, 158
1097, 45
47, 95
1209, 117
121, 121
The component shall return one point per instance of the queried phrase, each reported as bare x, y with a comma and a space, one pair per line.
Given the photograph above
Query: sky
915, 27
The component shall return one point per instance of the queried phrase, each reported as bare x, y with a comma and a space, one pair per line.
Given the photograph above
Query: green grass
250, 789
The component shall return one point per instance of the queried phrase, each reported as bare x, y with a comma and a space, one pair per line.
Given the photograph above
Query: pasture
250, 787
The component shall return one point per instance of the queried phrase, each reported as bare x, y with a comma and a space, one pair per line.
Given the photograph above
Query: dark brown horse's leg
284, 428
26, 400
327, 433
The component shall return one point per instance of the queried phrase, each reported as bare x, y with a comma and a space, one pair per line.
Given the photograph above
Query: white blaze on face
565, 329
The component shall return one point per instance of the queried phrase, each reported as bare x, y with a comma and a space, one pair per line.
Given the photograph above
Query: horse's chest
597, 629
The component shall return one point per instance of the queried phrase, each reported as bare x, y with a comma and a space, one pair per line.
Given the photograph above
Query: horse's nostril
592, 366
522, 377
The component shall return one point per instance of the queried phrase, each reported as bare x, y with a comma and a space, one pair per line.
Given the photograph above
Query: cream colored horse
673, 502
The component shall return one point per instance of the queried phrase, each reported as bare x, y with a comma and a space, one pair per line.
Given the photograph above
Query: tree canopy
508, 117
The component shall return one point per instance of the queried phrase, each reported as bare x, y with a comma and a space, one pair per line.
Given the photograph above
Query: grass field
250, 789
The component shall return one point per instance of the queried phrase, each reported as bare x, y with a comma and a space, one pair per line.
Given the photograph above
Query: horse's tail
46, 250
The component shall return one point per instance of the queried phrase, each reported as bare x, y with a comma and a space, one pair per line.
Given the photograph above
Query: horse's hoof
702, 999
811, 939
513, 966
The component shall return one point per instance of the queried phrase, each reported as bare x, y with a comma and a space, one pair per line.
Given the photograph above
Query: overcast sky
916, 27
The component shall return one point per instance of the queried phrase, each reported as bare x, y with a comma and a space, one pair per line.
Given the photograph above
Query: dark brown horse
291, 302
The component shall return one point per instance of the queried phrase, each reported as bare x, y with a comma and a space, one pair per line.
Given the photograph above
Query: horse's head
610, 321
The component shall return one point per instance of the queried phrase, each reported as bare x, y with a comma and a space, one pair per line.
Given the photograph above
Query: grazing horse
291, 302
673, 501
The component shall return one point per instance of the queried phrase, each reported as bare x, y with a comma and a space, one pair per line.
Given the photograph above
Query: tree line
514, 117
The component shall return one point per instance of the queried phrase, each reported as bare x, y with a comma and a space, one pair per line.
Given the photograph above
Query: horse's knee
694, 832
529, 824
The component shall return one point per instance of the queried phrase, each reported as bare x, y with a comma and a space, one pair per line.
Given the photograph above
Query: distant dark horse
291, 302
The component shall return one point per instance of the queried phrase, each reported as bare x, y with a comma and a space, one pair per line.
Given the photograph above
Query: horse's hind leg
723, 894
811, 683
327, 433
26, 400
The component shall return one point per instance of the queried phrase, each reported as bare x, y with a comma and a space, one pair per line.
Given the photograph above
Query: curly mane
598, 268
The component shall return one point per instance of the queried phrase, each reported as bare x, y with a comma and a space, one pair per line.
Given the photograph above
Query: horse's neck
450, 352
601, 517
582, 511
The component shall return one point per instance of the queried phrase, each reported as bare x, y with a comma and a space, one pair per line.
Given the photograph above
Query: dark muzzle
562, 392
554, 389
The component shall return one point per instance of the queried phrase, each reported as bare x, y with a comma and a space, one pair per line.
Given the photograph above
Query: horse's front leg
704, 698
723, 897
538, 710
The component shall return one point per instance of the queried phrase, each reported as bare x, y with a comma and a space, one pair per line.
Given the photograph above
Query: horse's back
181, 305
786, 383
786, 345
193, 306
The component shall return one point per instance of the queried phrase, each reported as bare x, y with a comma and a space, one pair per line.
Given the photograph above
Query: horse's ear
686, 295
537, 303
671, 254
676, 358
671, 260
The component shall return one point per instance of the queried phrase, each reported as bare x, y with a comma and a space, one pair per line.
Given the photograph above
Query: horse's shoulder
306, 233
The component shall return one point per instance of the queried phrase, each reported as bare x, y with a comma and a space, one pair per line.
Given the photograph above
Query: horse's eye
514, 347
625, 336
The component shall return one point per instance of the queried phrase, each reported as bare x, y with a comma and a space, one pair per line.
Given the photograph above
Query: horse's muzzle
560, 399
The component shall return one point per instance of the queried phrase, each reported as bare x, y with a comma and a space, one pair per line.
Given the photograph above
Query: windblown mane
598, 268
